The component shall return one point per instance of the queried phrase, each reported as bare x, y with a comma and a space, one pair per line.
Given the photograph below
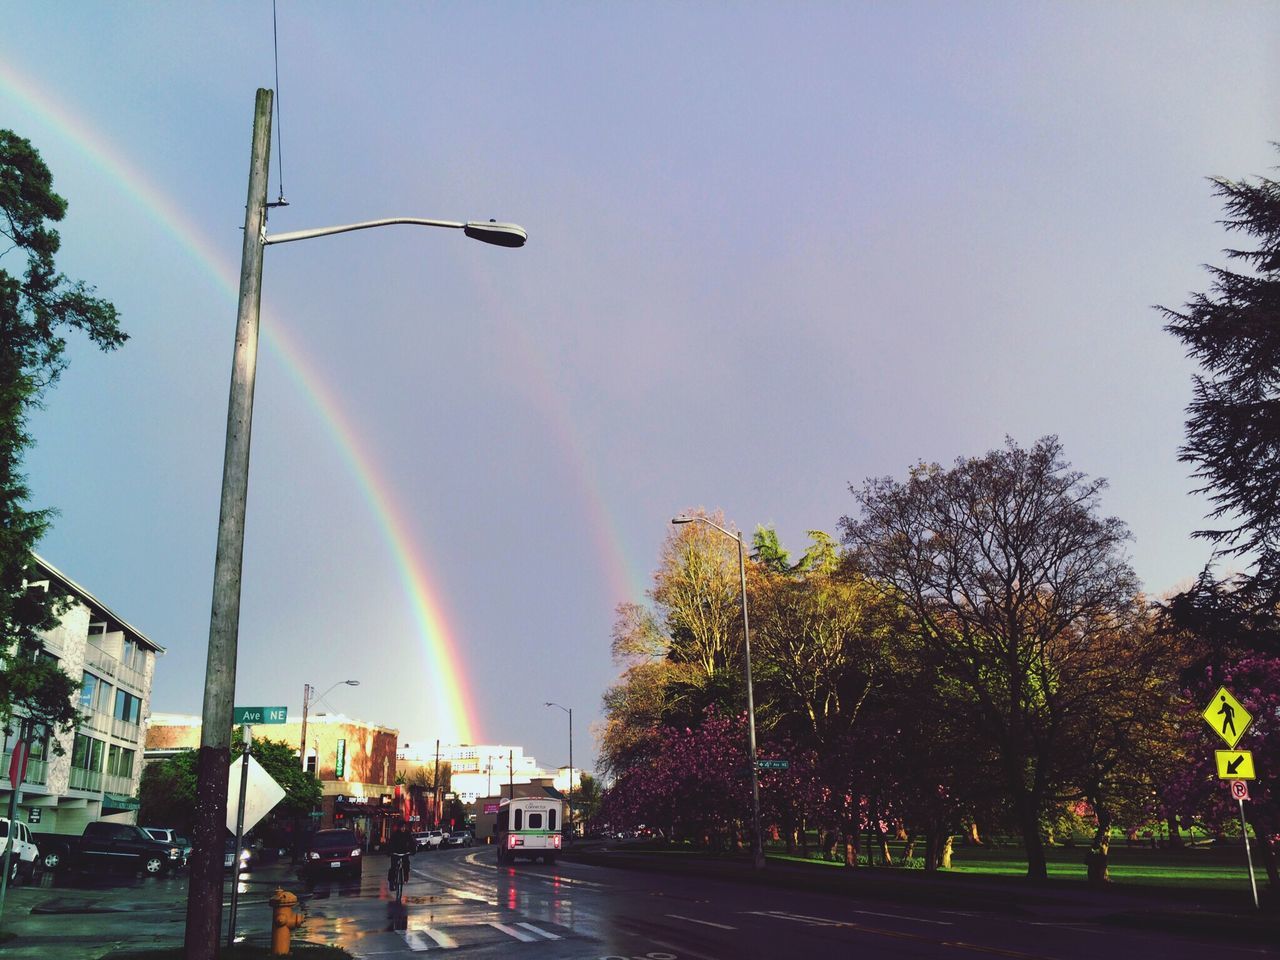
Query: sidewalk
1186, 910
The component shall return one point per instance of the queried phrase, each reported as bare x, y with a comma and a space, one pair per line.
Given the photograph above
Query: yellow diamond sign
1234, 764
1227, 716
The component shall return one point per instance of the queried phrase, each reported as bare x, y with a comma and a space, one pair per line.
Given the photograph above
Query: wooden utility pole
435, 785
204, 890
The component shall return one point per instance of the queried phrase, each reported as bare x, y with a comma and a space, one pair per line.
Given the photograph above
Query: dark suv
333, 852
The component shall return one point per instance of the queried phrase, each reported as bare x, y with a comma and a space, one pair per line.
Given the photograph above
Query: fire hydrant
283, 919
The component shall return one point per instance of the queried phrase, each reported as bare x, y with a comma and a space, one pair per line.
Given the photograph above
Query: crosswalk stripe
442, 939
538, 930
415, 941
512, 932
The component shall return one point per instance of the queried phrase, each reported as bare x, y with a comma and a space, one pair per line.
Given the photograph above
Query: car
433, 839
333, 852
229, 855
106, 846
459, 838
23, 857
422, 839
171, 837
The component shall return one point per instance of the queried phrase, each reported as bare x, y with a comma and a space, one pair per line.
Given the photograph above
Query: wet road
462, 902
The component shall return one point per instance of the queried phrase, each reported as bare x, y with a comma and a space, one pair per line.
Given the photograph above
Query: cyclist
401, 848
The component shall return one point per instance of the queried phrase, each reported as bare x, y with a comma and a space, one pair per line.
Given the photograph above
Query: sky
774, 249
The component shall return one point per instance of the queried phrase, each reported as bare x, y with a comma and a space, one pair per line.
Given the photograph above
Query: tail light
555, 840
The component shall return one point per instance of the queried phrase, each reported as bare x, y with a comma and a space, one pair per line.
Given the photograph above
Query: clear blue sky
774, 249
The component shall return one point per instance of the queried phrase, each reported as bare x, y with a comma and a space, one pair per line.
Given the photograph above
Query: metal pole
247, 734
570, 709
204, 890
1248, 854
12, 831
757, 840
306, 700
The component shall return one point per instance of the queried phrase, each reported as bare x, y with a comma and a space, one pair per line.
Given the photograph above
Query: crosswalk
424, 939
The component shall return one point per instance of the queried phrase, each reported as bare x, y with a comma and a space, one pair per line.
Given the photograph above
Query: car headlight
314, 855
244, 855
355, 852
174, 853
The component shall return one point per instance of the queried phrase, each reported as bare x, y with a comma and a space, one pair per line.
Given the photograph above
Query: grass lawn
1219, 868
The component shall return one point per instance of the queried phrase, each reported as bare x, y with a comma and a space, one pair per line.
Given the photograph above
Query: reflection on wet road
463, 901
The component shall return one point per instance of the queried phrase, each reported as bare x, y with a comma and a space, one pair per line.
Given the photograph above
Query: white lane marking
512, 932
705, 923
442, 939
1084, 926
415, 941
538, 930
898, 916
808, 921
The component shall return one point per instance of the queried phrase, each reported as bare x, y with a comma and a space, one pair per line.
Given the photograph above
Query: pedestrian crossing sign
1227, 716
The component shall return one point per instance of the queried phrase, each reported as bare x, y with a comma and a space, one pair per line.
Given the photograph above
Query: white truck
22, 858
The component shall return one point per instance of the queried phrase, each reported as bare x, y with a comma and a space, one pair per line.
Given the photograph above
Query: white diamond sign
260, 796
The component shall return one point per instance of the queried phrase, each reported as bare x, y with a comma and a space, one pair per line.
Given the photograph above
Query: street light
308, 692
569, 711
757, 840
204, 889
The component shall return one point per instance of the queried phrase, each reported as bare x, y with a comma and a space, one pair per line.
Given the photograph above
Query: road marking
538, 930
415, 940
705, 923
895, 934
442, 939
512, 932
807, 921
898, 916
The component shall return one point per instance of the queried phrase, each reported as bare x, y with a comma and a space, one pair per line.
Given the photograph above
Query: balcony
95, 720
120, 785
88, 780
124, 730
37, 770
110, 666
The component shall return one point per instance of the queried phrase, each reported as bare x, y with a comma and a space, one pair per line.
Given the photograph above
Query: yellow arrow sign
1234, 764
1227, 716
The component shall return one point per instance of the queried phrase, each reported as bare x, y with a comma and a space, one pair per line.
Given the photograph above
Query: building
475, 769
97, 776
354, 760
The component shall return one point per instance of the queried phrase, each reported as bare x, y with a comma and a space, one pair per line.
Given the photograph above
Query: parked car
229, 855
23, 857
459, 838
106, 846
333, 851
422, 839
171, 837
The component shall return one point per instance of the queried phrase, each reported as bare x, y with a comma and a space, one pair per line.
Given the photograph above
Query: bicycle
398, 874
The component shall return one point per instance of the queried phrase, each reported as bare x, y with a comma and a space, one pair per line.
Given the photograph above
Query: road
460, 901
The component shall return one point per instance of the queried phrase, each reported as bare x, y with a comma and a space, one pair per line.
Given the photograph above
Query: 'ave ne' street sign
256, 715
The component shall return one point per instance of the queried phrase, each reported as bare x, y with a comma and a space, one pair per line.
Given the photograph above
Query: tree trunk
1175, 837
973, 837
1029, 821
1096, 858
886, 858
944, 858
851, 847
910, 850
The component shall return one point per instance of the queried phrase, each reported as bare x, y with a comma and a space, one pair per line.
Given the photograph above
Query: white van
529, 827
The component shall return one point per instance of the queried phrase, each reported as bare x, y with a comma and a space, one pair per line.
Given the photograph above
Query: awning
117, 801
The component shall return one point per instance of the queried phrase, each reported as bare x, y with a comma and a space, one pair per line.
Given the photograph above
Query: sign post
246, 733
1228, 718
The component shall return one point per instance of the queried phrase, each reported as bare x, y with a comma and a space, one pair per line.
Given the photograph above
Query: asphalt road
463, 903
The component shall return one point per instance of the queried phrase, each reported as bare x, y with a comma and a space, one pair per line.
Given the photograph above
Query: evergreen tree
1233, 423
37, 306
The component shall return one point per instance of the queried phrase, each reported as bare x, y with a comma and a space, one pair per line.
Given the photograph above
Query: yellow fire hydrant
283, 919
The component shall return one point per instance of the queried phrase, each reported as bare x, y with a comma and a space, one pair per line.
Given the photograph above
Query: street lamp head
679, 520
499, 234
352, 683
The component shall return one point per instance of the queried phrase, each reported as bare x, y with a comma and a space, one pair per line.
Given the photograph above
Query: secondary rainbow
454, 718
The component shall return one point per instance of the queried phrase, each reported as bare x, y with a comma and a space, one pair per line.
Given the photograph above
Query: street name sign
1227, 716
261, 793
1234, 764
774, 764
256, 715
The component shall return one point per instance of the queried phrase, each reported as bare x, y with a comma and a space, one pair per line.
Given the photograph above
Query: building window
120, 762
311, 764
128, 707
87, 754
132, 656
95, 694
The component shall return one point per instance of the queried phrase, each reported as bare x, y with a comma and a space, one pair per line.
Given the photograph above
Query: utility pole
18, 767
571, 834
204, 889
306, 702
435, 784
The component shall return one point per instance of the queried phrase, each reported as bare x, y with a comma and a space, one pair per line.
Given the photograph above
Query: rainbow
454, 720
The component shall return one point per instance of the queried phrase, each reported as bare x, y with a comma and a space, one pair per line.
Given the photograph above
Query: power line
275, 45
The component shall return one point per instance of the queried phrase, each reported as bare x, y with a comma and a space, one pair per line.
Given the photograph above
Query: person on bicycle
401, 843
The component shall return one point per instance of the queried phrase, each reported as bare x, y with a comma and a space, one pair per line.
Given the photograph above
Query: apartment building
97, 775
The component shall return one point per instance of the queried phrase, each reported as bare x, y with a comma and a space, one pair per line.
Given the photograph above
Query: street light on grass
204, 891
757, 839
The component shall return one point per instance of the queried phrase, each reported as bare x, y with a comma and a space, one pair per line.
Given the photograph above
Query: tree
1016, 584
1233, 421
37, 306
